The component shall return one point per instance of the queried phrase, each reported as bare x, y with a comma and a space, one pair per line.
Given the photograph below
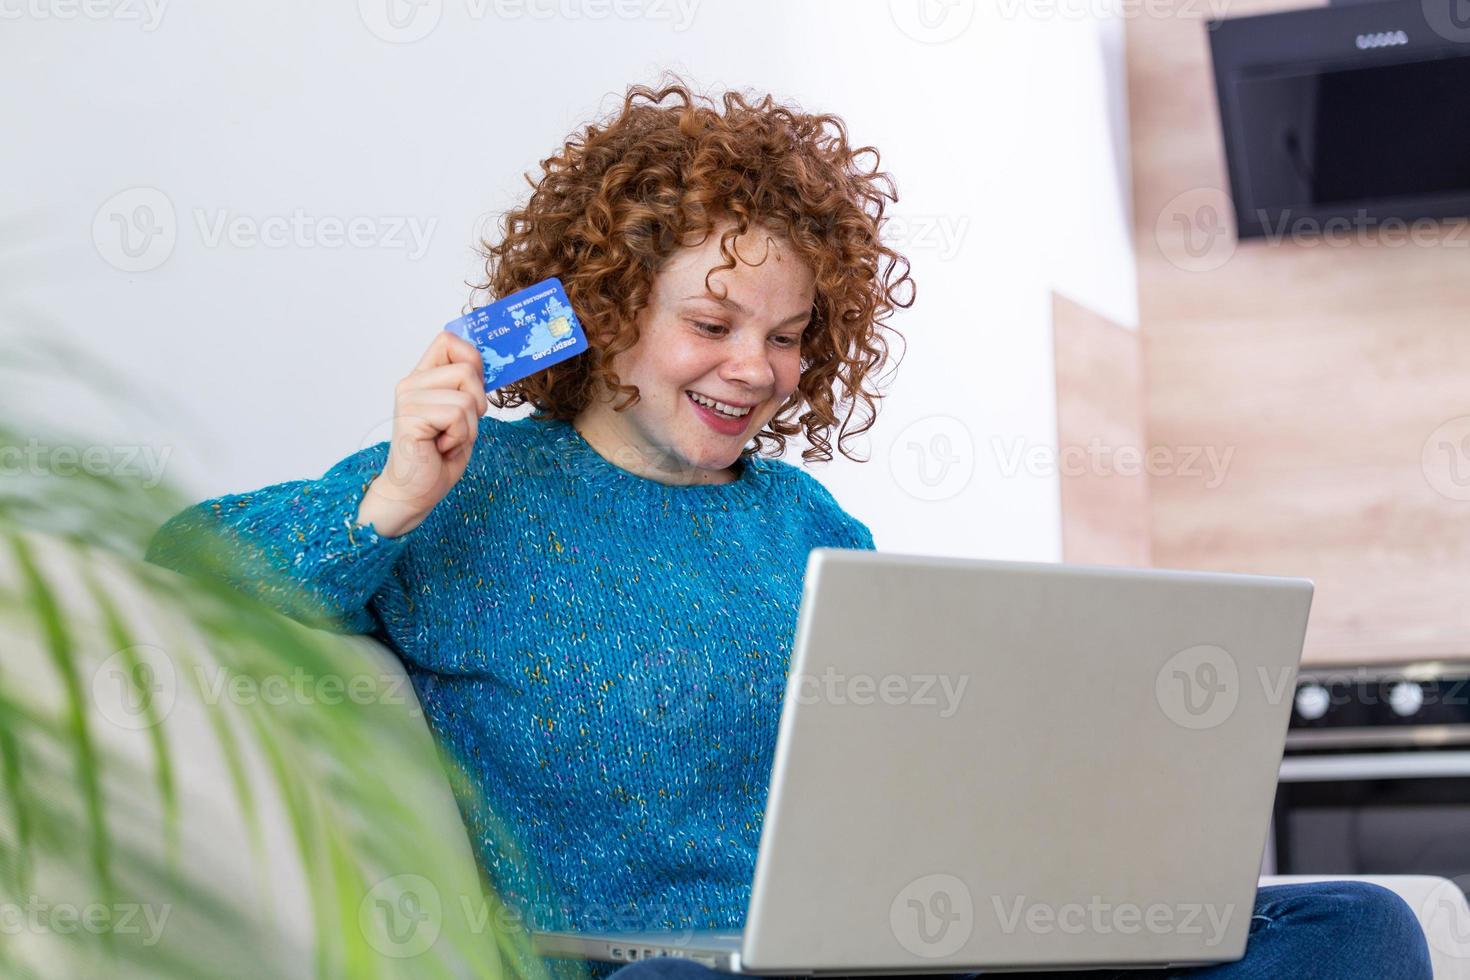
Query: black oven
1376, 774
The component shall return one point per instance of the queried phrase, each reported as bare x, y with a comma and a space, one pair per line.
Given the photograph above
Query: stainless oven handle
1377, 765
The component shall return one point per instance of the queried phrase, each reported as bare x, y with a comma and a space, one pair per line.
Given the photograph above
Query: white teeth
721, 407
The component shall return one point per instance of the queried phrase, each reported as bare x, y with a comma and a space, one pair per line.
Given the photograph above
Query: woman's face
744, 352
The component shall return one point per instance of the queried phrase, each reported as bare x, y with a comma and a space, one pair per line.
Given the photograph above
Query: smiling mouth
727, 409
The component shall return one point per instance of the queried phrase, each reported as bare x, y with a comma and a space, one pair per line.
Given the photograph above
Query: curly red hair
615, 201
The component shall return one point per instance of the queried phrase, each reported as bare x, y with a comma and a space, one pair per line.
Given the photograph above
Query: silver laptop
1011, 766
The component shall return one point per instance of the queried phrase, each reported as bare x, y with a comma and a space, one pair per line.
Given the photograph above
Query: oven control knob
1405, 698
1312, 701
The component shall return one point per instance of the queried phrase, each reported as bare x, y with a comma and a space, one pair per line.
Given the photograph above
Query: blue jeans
1333, 930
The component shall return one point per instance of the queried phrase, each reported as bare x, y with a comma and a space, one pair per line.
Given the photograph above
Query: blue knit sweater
605, 654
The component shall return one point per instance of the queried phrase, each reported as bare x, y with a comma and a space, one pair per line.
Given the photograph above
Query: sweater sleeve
836, 527
296, 546
861, 536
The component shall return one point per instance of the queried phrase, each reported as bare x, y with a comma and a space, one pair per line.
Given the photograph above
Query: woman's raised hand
436, 411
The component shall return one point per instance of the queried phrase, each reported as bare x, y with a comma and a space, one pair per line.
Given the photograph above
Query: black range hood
1359, 111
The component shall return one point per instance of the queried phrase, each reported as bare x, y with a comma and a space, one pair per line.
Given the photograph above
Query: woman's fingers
461, 376
448, 348
452, 412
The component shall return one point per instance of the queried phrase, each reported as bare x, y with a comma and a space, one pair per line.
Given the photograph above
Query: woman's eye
718, 329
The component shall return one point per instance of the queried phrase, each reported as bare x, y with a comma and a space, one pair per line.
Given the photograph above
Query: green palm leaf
130, 785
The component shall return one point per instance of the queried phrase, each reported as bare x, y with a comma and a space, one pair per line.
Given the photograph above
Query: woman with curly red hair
596, 601
613, 208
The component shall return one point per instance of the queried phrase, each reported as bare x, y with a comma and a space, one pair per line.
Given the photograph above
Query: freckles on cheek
791, 377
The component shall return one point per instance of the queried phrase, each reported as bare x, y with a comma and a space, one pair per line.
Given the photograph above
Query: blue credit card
524, 333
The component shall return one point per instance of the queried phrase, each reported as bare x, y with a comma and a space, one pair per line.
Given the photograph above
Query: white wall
251, 363
1082, 89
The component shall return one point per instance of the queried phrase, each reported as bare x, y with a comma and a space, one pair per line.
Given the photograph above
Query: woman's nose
750, 365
